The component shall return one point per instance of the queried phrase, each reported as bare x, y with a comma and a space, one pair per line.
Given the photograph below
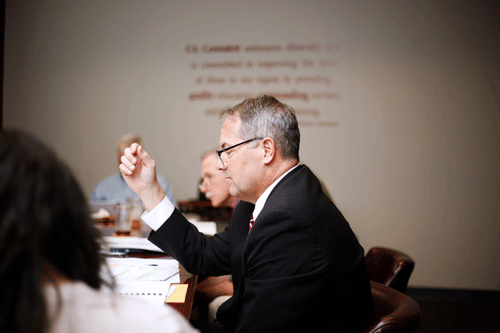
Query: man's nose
222, 166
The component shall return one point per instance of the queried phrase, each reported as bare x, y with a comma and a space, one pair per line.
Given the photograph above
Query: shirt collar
263, 197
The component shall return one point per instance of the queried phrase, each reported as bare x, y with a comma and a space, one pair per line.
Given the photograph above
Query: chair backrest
390, 267
395, 311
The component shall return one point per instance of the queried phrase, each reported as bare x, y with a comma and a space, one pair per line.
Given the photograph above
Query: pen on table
130, 251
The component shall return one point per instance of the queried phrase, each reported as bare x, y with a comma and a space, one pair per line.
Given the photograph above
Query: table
186, 278
205, 210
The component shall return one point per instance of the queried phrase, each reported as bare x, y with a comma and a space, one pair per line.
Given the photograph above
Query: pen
132, 251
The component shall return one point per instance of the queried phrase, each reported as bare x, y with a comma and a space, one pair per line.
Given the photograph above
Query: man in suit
296, 264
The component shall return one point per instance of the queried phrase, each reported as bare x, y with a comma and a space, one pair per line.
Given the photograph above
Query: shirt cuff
159, 214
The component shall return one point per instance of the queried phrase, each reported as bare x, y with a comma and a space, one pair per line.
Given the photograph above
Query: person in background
215, 289
114, 187
289, 249
51, 273
214, 184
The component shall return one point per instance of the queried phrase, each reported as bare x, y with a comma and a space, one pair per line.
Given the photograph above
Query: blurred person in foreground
295, 262
52, 276
114, 188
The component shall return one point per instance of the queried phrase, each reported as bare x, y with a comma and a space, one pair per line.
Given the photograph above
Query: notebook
149, 279
152, 291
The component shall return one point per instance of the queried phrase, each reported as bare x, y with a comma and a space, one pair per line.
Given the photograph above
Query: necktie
251, 223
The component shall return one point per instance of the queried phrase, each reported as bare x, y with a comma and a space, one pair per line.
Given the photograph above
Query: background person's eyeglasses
219, 152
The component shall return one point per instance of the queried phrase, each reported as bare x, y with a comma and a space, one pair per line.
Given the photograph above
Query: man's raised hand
139, 171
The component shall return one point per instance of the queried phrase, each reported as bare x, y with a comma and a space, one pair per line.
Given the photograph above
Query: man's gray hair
265, 116
209, 152
127, 139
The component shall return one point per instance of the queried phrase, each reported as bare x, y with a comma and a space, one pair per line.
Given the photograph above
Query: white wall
408, 144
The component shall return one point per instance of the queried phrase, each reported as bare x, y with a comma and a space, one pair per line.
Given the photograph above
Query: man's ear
269, 150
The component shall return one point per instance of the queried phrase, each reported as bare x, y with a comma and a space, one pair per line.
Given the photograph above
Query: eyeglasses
219, 152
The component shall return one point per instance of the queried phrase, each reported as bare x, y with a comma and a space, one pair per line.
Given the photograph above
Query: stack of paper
116, 244
146, 278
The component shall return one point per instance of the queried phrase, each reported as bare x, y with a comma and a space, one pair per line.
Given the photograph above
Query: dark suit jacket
300, 268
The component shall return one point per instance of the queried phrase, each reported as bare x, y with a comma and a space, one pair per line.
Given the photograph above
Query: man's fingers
132, 157
146, 159
127, 163
133, 148
130, 153
124, 170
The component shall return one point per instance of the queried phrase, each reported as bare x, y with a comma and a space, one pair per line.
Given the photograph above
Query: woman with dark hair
50, 267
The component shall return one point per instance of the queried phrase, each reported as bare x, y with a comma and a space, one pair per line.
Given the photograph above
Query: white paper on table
129, 243
176, 278
149, 279
139, 269
153, 291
